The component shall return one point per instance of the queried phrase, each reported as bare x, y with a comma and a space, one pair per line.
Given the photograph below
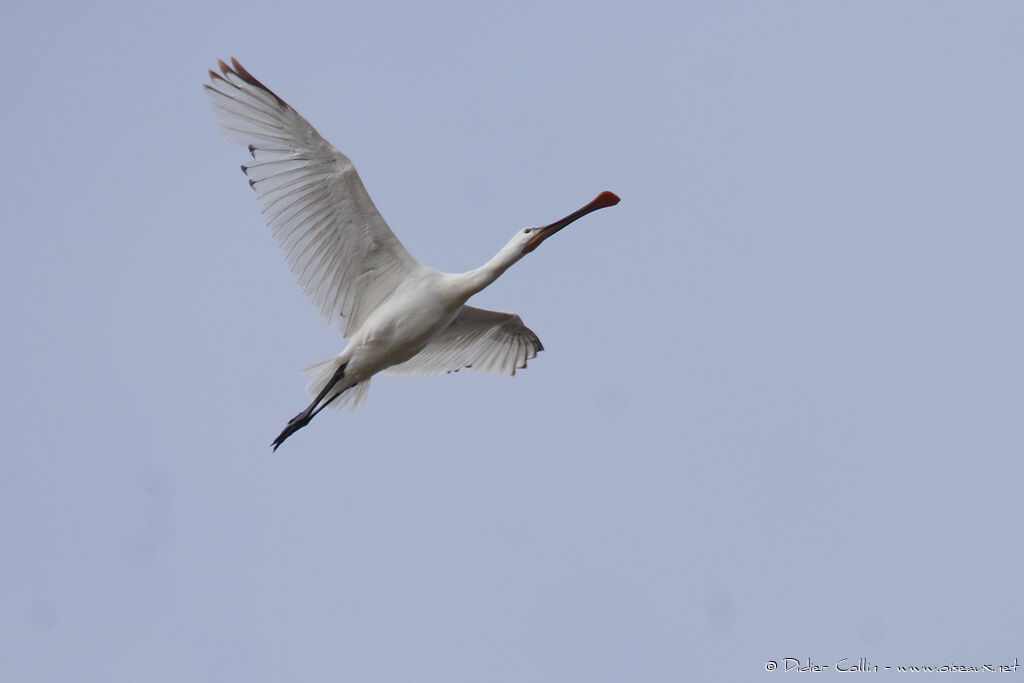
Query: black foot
294, 425
303, 418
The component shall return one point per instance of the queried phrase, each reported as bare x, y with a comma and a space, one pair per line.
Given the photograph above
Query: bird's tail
323, 372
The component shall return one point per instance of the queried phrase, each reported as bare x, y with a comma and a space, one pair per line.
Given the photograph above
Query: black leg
303, 418
327, 403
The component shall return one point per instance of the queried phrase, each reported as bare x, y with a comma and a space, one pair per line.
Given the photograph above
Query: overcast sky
779, 413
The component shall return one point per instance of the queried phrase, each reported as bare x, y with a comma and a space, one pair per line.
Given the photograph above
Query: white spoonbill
400, 317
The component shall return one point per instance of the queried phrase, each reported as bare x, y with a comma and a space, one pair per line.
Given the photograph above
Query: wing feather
344, 255
485, 341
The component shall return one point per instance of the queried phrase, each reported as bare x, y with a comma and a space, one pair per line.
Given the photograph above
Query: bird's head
528, 239
525, 241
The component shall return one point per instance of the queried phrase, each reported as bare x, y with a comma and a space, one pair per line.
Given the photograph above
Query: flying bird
399, 316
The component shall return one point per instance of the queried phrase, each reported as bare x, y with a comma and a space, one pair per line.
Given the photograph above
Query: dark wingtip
243, 73
236, 69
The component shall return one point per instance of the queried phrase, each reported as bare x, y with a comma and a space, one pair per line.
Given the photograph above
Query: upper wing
346, 258
486, 341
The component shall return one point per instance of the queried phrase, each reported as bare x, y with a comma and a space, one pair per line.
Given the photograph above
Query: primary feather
345, 256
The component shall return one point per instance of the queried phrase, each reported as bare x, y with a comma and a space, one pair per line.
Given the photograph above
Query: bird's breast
401, 327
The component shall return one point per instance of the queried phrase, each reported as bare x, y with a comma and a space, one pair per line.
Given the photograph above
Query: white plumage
401, 317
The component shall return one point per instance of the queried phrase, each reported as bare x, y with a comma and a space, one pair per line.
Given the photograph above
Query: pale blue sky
779, 413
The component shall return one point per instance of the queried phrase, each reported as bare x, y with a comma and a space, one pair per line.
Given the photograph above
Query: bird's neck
479, 278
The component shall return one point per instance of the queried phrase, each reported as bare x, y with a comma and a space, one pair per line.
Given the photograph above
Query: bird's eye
527, 230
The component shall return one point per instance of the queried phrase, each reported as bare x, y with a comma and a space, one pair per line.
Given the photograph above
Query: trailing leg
303, 418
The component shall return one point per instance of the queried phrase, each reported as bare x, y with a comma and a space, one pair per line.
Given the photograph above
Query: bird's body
422, 306
400, 316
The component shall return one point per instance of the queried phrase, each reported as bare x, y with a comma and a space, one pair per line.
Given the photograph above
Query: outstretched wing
486, 341
345, 256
